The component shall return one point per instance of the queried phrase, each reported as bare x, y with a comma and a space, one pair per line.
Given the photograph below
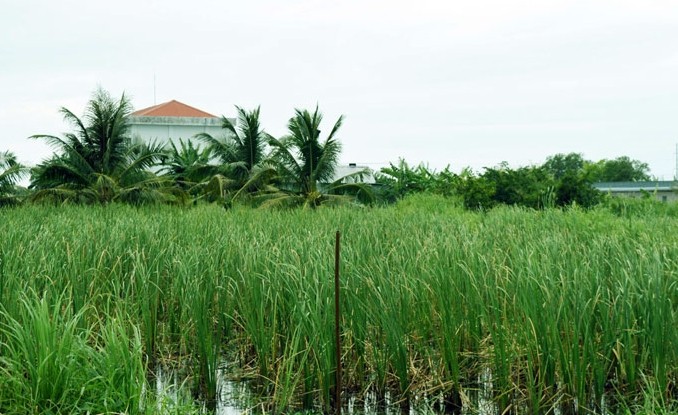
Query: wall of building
664, 191
662, 196
162, 129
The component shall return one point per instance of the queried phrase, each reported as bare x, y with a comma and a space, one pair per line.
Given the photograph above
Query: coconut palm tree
243, 167
189, 167
244, 146
11, 172
306, 165
98, 162
187, 164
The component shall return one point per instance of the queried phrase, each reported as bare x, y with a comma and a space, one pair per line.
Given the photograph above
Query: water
173, 388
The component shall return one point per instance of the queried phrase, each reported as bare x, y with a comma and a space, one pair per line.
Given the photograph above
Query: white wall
162, 129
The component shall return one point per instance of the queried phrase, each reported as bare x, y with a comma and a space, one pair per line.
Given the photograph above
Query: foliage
525, 186
621, 169
573, 180
243, 169
576, 189
50, 365
561, 306
98, 163
243, 148
11, 172
561, 181
189, 167
302, 158
401, 179
187, 164
476, 191
560, 165
306, 166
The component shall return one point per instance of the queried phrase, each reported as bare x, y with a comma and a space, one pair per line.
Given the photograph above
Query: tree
621, 169
11, 172
98, 161
187, 165
573, 176
477, 192
576, 188
243, 148
303, 163
242, 156
560, 164
525, 186
400, 180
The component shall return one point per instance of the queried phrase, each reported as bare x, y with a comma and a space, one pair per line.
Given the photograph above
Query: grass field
548, 309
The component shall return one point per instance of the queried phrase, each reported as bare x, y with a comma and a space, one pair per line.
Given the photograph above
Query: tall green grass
50, 365
569, 309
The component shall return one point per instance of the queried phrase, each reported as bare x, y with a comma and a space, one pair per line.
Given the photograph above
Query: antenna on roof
153, 87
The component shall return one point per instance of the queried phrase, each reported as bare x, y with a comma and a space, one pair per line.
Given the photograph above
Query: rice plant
556, 310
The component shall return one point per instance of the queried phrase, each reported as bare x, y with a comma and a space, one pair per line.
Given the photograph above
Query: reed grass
50, 365
564, 309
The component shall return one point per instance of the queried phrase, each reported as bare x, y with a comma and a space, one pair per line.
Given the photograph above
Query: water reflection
232, 396
173, 389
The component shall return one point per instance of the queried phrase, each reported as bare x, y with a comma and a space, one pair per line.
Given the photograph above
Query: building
365, 175
660, 190
172, 120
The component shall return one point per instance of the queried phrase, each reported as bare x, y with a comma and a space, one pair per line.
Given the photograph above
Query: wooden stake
337, 331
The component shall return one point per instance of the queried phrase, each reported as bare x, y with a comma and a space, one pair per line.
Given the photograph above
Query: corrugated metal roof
172, 108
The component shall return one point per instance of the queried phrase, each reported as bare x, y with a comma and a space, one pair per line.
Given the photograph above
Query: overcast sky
459, 83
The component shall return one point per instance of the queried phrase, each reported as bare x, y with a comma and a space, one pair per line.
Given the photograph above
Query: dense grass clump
52, 365
540, 309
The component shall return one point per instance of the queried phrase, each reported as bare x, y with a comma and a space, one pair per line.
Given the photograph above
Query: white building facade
173, 120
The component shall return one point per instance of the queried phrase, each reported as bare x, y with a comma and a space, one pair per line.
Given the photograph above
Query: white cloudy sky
464, 83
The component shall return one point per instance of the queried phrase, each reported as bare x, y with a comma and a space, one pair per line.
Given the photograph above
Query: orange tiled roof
172, 108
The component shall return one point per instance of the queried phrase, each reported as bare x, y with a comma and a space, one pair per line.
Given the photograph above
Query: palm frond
76, 122
224, 150
258, 181
327, 162
139, 158
152, 191
282, 157
227, 125
280, 200
54, 141
336, 127
361, 192
59, 195
11, 171
218, 187
98, 146
61, 171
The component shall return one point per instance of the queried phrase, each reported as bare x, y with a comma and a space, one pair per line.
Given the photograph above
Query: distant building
660, 190
172, 120
352, 168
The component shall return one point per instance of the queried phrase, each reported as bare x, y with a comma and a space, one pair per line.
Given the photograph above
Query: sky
440, 82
